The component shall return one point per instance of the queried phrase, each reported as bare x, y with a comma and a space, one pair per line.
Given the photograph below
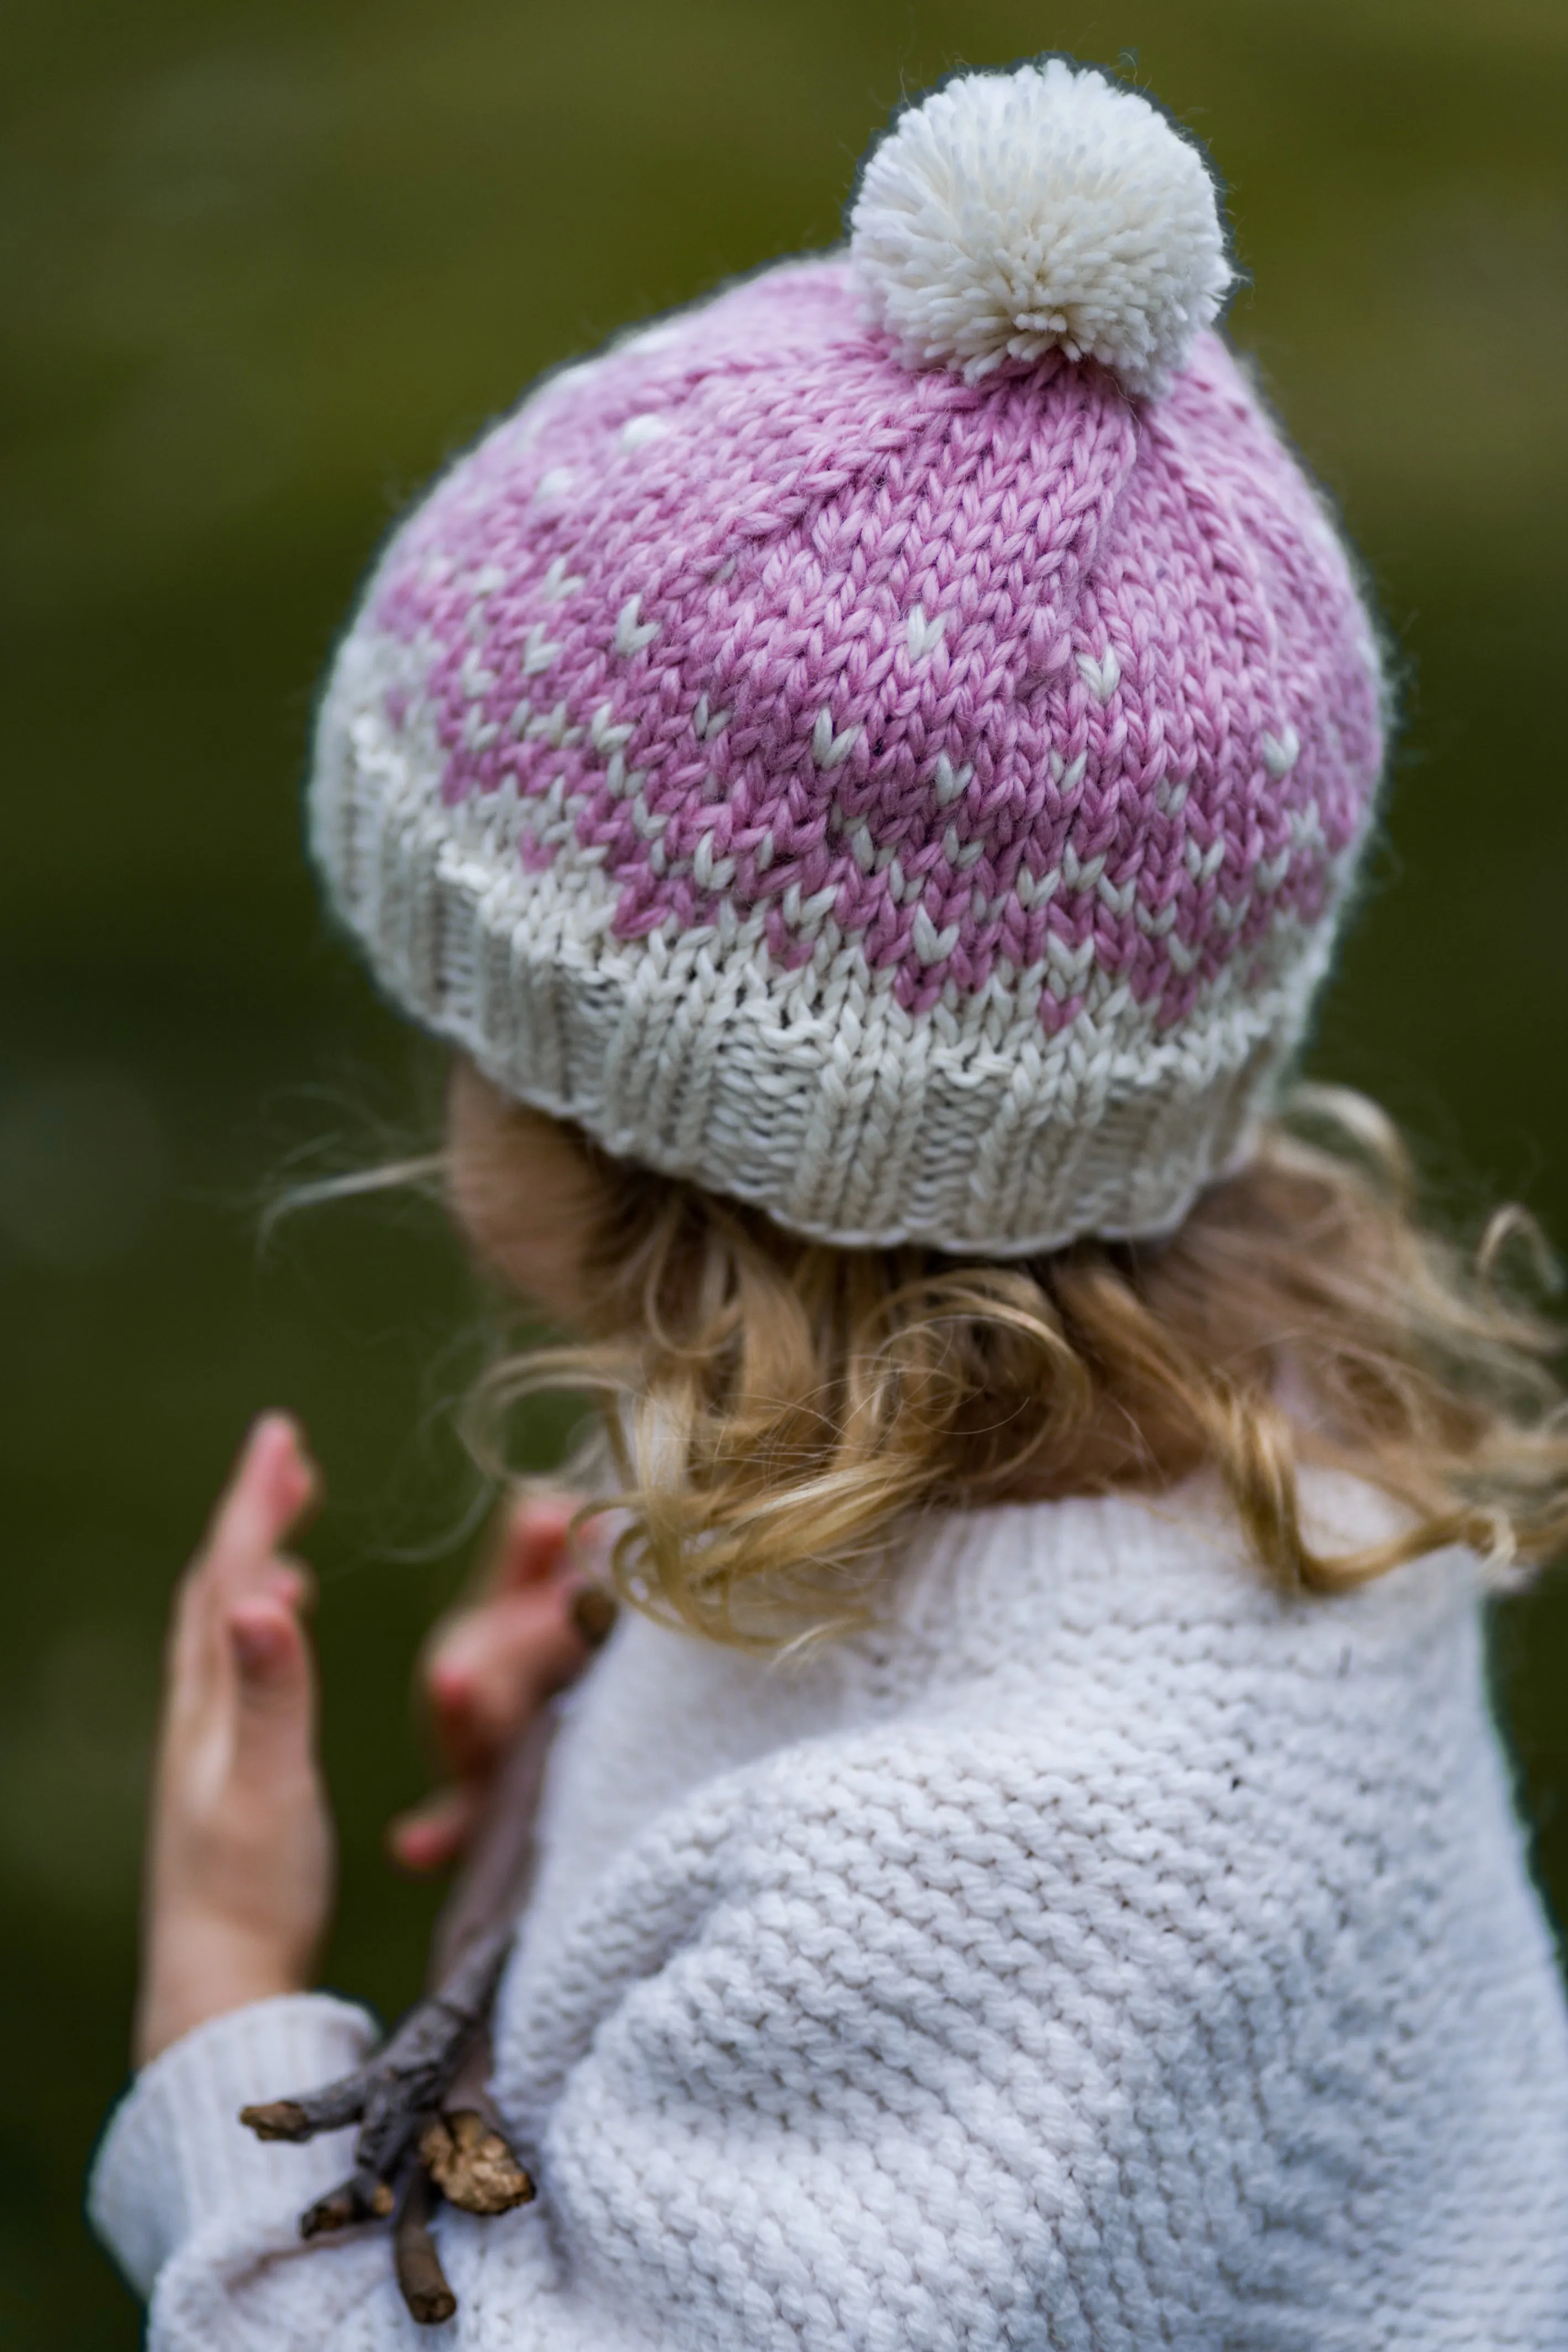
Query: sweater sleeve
857, 2048
175, 2154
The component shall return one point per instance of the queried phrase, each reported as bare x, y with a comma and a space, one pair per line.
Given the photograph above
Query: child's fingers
482, 1649
532, 1544
273, 1482
435, 1833
489, 1669
273, 1696
492, 1666
290, 1581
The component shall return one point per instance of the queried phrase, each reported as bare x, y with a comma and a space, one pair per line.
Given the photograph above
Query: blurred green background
261, 268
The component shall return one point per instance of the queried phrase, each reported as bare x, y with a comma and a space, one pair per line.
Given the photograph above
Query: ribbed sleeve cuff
175, 2154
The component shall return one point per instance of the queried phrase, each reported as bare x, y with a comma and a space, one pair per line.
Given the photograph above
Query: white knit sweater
1104, 1953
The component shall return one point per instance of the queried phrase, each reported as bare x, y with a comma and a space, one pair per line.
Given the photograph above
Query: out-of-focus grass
261, 266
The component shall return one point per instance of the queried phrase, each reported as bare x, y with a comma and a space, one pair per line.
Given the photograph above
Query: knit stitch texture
920, 807
1104, 1953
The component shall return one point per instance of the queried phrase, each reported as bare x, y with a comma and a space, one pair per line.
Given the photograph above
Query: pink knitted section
1018, 675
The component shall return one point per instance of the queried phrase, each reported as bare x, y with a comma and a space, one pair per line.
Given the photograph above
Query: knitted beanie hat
891, 742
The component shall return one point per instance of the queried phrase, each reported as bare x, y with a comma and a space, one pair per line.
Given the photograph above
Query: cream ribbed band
810, 1093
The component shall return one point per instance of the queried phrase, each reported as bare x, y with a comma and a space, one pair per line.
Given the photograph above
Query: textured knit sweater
1104, 1951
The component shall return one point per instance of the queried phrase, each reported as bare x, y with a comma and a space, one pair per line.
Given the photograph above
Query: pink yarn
1098, 687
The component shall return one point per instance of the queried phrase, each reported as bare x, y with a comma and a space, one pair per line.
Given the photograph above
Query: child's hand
489, 1668
240, 1861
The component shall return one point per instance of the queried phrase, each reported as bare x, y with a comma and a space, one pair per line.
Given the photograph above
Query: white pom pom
1013, 213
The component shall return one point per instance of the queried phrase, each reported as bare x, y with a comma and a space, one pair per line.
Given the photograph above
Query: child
867, 774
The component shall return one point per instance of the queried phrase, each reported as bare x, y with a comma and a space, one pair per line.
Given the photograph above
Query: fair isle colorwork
920, 807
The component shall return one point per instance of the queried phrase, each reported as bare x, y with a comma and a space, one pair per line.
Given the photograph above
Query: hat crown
919, 806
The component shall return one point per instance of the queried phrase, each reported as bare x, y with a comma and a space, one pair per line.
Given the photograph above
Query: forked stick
426, 2127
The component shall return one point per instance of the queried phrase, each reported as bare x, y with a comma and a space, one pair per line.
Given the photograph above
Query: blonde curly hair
776, 1410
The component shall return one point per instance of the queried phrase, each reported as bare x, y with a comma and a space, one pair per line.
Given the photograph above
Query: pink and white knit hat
891, 742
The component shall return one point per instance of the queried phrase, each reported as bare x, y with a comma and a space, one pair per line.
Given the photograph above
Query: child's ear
522, 1191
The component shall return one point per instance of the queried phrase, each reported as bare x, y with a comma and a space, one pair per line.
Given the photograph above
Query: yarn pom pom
1012, 214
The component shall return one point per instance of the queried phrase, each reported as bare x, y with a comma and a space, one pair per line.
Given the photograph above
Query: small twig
362, 2198
415, 2140
328, 2109
419, 2276
395, 2093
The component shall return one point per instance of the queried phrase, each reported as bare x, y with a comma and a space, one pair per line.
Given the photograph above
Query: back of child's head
882, 756
778, 1408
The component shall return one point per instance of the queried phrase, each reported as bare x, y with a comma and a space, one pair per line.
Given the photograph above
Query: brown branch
394, 2093
426, 2126
419, 2276
360, 2198
328, 2109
